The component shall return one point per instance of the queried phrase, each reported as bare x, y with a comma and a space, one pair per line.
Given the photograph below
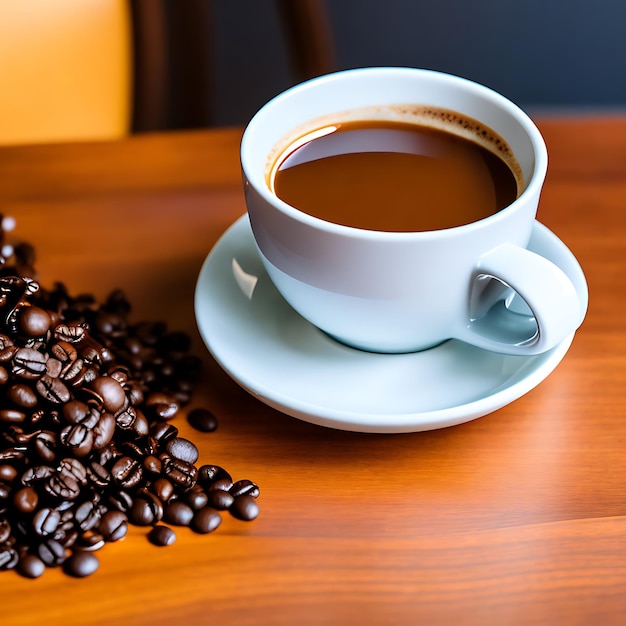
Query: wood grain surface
518, 517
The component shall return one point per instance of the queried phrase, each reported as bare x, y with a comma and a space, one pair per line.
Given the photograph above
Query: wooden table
518, 517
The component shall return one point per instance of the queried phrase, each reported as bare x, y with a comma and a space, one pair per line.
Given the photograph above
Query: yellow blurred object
65, 70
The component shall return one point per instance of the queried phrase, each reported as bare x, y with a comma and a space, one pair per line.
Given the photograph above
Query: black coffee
397, 176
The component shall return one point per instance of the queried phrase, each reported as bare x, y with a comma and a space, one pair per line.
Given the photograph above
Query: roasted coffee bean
33, 321
22, 395
45, 445
104, 430
29, 363
36, 474
178, 513
244, 508
5, 492
52, 389
78, 439
152, 464
208, 474
111, 392
9, 557
179, 472
196, 498
120, 500
223, 484
163, 489
90, 540
5, 529
31, 566
182, 449
127, 472
51, 552
72, 333
163, 431
62, 486
161, 406
64, 352
202, 420
87, 515
244, 487
8, 473
12, 416
146, 510
81, 564
73, 468
46, 521
113, 526
219, 499
205, 520
77, 412
4, 375
53, 367
25, 500
98, 475
162, 536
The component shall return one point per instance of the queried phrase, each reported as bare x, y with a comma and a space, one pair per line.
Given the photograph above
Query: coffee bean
5, 529
127, 472
90, 540
9, 557
196, 498
31, 566
81, 563
162, 536
104, 430
29, 363
208, 474
45, 445
163, 489
51, 552
244, 508
87, 515
12, 416
52, 389
202, 420
25, 500
162, 406
220, 499
178, 513
113, 526
78, 439
179, 472
33, 321
111, 392
244, 487
206, 520
147, 509
64, 487
182, 449
22, 395
46, 521
8, 473
73, 468
163, 431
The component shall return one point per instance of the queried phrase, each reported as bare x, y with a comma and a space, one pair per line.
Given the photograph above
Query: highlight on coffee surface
397, 169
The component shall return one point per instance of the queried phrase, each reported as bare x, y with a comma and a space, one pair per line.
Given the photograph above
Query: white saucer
287, 363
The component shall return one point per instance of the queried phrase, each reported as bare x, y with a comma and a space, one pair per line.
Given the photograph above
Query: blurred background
543, 54
97, 69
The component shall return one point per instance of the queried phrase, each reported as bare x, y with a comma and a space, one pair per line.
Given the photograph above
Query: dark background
542, 54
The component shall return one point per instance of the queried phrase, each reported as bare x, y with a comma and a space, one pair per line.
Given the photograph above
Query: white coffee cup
408, 291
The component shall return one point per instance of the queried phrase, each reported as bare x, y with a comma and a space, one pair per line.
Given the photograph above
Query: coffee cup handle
521, 303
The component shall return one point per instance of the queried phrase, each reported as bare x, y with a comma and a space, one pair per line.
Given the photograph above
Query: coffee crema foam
422, 115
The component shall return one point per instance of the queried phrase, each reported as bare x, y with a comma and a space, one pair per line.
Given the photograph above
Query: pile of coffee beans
87, 439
